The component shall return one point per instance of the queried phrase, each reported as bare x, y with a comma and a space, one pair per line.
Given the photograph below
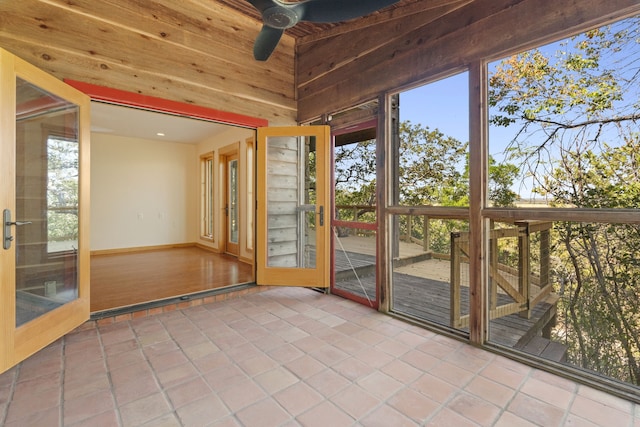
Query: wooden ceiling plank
133, 79
414, 37
112, 46
403, 10
79, 67
321, 58
224, 36
452, 43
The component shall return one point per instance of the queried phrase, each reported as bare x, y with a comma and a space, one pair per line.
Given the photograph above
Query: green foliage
501, 178
574, 114
598, 279
585, 88
355, 174
62, 189
430, 166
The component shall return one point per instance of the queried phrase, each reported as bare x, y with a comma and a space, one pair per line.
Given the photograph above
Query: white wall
143, 192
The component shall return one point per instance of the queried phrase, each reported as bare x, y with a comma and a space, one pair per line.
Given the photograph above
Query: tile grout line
116, 407
163, 391
462, 390
13, 386
299, 380
63, 356
200, 374
567, 412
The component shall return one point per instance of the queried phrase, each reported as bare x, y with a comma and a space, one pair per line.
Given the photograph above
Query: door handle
6, 226
321, 215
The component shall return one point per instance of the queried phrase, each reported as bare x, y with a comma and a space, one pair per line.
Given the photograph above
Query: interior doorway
147, 213
149, 203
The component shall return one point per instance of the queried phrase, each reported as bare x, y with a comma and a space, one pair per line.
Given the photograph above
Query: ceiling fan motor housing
280, 17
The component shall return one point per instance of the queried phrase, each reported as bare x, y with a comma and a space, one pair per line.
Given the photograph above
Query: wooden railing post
493, 260
426, 233
524, 268
545, 246
455, 281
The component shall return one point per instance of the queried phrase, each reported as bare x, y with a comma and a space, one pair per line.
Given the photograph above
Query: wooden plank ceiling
194, 51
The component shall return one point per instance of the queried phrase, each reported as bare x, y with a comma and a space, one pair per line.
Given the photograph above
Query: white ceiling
132, 122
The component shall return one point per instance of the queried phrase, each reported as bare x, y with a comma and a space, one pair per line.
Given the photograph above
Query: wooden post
524, 269
454, 302
493, 260
426, 233
386, 142
478, 178
545, 243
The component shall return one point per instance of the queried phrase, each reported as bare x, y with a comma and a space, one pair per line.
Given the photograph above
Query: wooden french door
232, 205
44, 137
293, 198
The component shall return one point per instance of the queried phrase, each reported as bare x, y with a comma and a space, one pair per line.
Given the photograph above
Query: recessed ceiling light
160, 134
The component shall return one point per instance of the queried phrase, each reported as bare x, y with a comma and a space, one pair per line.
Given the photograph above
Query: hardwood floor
120, 280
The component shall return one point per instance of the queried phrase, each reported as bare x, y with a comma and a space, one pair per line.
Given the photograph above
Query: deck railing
530, 288
355, 213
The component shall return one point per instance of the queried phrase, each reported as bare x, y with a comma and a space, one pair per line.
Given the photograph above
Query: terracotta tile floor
288, 357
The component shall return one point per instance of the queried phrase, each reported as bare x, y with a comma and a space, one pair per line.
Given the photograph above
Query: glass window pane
564, 122
206, 198
568, 292
233, 201
432, 144
291, 202
431, 269
47, 165
249, 197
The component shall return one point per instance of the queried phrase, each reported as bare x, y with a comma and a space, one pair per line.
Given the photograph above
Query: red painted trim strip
117, 96
354, 224
357, 298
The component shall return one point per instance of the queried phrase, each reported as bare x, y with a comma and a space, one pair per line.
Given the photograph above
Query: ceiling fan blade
266, 42
339, 10
262, 5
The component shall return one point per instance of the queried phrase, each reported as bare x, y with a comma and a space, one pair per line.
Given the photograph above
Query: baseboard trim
141, 249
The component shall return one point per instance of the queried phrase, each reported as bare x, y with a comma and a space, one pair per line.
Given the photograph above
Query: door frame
161, 105
352, 128
136, 100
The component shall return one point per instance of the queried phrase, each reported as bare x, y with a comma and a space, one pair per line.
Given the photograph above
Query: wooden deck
421, 289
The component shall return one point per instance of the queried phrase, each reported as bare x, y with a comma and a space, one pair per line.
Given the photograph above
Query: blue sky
443, 105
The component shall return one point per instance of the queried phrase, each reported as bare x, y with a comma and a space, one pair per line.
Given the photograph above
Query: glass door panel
231, 205
46, 211
233, 201
354, 215
292, 174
